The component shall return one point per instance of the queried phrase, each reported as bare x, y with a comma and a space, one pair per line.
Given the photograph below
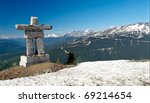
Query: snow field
98, 73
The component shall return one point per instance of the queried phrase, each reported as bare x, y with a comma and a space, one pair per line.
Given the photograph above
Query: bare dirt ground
36, 69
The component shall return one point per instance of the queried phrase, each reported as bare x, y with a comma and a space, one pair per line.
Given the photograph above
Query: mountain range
121, 42
137, 30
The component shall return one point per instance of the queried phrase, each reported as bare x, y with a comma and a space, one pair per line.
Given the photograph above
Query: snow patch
52, 36
99, 73
89, 42
64, 50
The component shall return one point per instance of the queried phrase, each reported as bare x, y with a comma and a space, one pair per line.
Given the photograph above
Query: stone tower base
29, 60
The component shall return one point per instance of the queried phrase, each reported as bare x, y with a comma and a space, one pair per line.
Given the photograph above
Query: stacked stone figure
34, 35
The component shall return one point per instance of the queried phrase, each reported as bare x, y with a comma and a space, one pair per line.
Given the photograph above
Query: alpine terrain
100, 73
129, 42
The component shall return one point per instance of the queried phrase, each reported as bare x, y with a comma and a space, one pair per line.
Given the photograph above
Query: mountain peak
137, 29
52, 35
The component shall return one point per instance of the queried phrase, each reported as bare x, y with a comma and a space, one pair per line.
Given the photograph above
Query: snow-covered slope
133, 30
99, 73
87, 32
52, 35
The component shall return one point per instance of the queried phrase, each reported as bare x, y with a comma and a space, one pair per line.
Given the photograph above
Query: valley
129, 42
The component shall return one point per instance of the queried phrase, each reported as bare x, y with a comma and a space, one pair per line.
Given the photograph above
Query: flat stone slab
33, 27
26, 61
34, 34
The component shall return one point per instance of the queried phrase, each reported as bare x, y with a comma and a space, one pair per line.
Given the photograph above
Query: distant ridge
136, 30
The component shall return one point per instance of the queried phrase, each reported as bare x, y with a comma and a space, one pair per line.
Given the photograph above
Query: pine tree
71, 59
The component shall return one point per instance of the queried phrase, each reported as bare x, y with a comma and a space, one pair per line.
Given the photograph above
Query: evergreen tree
71, 59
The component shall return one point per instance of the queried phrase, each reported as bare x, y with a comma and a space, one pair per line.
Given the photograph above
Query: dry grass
36, 69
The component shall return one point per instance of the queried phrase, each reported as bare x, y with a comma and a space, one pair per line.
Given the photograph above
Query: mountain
98, 73
10, 51
85, 33
137, 30
52, 35
122, 42
10, 45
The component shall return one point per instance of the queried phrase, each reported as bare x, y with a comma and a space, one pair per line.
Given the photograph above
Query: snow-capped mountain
52, 35
87, 32
122, 42
137, 30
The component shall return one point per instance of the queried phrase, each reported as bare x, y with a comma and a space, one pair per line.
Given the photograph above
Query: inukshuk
35, 51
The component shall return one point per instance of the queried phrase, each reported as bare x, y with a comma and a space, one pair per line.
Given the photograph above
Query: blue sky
68, 15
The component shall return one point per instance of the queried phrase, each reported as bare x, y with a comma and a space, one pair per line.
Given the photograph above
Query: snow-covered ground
99, 73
